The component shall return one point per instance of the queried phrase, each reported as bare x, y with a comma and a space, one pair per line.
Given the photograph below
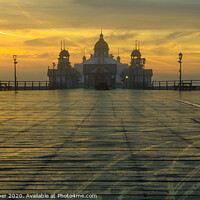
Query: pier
155, 85
116, 144
175, 85
25, 85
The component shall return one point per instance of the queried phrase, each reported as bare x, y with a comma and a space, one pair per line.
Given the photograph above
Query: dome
101, 44
136, 53
64, 53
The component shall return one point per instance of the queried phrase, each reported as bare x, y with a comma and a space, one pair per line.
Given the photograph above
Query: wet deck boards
117, 144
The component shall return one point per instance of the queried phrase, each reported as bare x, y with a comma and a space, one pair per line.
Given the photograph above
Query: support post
180, 81
15, 71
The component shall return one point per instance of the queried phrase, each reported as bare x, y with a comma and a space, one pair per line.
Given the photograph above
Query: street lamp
15, 71
180, 58
54, 75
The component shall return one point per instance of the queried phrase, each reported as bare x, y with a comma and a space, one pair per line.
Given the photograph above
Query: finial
118, 57
135, 44
84, 58
101, 34
139, 45
64, 44
61, 45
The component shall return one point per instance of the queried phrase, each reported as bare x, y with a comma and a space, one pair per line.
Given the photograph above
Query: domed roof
101, 44
64, 53
136, 53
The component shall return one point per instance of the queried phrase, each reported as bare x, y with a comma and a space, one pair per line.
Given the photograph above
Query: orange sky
32, 29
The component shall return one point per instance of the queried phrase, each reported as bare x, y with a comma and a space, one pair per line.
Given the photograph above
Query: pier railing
175, 85
155, 85
25, 85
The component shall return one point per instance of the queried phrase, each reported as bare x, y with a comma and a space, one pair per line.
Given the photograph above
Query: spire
139, 45
64, 44
101, 36
61, 45
135, 44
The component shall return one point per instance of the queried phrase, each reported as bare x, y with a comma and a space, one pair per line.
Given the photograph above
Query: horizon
32, 30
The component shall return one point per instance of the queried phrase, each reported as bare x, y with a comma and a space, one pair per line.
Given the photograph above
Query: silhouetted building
135, 76
64, 76
101, 67
96, 74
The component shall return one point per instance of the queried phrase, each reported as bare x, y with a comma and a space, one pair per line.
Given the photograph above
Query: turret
63, 60
136, 60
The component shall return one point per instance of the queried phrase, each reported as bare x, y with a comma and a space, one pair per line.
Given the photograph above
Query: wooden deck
117, 144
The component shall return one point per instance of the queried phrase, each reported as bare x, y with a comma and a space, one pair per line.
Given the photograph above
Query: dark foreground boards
117, 144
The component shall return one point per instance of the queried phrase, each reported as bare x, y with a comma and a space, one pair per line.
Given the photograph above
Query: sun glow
33, 30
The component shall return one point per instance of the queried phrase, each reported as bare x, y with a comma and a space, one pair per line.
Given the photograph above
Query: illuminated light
126, 76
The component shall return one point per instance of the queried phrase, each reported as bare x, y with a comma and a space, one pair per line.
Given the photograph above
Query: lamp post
54, 75
15, 71
180, 58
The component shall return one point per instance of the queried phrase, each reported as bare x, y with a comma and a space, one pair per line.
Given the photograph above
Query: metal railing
25, 85
155, 85
175, 85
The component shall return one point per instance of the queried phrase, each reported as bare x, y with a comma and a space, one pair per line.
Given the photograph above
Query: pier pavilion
64, 76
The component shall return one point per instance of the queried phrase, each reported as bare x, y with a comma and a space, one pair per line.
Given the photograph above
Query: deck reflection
119, 144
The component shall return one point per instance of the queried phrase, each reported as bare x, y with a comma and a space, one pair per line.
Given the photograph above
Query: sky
33, 29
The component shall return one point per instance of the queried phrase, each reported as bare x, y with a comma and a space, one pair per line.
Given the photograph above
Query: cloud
113, 37
171, 37
144, 7
118, 36
44, 55
35, 56
178, 35
47, 42
33, 29
108, 14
